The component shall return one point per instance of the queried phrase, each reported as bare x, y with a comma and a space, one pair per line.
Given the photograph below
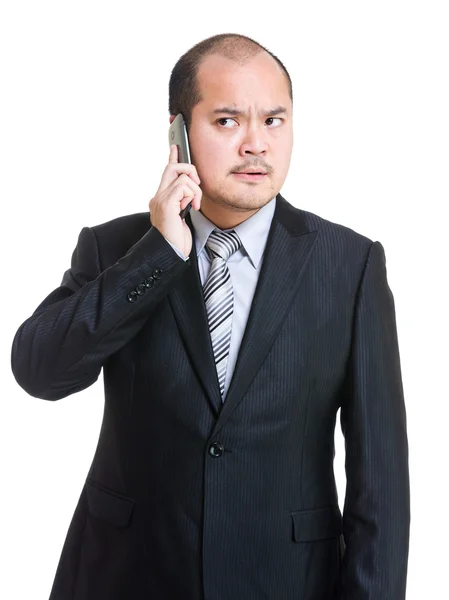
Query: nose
253, 142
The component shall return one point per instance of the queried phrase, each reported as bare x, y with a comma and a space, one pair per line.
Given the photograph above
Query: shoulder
115, 237
338, 242
126, 225
337, 245
337, 231
342, 245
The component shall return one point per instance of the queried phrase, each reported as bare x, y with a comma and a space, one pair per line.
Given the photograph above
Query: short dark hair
183, 88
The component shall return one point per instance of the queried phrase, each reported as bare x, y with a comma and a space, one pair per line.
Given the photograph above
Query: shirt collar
253, 232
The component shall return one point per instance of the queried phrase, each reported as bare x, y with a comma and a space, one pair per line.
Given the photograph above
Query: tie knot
223, 243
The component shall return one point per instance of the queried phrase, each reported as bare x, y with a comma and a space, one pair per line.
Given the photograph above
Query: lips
251, 176
250, 172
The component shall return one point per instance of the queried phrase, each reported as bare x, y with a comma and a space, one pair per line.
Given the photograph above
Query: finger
188, 195
186, 168
186, 201
173, 157
193, 193
185, 180
190, 199
186, 188
174, 160
173, 171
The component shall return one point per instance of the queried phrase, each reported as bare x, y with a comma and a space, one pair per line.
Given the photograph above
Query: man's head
236, 98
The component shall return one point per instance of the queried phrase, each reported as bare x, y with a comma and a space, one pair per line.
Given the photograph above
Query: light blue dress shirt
244, 267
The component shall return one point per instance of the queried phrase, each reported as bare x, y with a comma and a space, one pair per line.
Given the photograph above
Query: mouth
251, 176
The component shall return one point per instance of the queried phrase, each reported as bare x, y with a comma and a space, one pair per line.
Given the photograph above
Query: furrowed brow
278, 110
235, 112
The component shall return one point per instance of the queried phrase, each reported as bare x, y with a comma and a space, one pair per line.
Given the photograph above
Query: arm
61, 348
376, 515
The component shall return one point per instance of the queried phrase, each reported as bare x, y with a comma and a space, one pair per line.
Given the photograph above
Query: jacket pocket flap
317, 524
108, 505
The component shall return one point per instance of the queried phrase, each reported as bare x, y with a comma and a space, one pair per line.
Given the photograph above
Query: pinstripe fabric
219, 298
189, 497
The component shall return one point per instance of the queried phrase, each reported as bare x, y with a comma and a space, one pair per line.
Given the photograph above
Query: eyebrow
238, 111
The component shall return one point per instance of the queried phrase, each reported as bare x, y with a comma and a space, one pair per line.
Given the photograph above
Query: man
228, 343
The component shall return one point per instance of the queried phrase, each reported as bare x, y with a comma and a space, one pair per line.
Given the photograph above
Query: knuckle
183, 178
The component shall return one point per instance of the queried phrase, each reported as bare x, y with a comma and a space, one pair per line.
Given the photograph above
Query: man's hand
179, 186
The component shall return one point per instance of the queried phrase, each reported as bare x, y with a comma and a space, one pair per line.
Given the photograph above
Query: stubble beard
249, 200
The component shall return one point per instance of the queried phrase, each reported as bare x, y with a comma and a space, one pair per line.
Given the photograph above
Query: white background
84, 118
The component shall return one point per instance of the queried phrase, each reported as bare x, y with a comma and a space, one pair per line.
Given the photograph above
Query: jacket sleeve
376, 514
61, 348
177, 250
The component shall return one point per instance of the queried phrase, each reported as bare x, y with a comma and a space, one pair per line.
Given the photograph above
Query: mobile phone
177, 134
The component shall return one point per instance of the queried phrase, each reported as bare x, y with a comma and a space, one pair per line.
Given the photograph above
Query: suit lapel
189, 309
287, 252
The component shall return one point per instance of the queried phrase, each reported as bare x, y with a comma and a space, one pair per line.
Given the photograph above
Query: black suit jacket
190, 499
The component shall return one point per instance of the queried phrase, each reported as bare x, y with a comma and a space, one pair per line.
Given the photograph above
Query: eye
225, 119
275, 118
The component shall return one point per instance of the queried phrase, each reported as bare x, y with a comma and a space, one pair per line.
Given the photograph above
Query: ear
172, 118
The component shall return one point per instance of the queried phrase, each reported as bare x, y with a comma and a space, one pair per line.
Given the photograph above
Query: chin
250, 201
238, 195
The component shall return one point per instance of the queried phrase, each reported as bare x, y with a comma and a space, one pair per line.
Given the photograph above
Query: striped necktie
219, 297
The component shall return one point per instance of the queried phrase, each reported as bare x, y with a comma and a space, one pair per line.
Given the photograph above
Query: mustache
256, 165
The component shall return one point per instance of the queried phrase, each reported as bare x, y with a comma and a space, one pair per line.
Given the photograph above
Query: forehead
258, 80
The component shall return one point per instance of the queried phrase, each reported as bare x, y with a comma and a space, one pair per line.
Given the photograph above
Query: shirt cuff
178, 252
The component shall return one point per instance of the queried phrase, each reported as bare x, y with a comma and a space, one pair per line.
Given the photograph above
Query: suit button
157, 273
148, 283
141, 289
216, 449
132, 296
